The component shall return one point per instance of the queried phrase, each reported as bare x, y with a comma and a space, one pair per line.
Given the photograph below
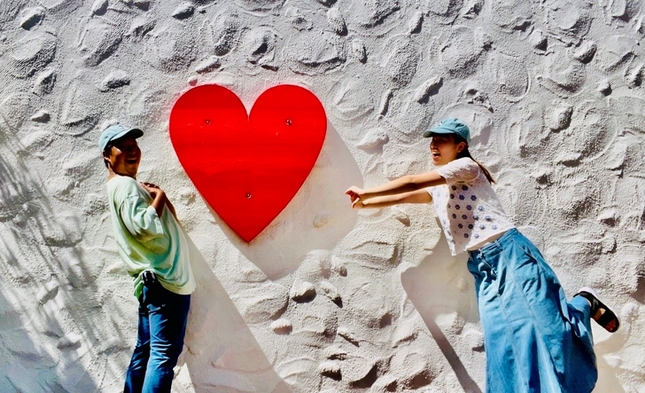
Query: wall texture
325, 299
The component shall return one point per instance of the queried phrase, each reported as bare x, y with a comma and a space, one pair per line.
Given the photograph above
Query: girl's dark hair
466, 153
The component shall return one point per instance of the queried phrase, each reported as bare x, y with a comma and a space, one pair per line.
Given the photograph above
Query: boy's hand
158, 195
148, 277
153, 189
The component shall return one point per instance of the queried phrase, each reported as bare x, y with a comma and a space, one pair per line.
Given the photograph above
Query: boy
154, 249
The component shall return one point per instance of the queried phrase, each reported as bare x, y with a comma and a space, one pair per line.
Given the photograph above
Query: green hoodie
146, 241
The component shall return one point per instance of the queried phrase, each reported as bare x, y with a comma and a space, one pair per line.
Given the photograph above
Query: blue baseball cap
115, 132
450, 126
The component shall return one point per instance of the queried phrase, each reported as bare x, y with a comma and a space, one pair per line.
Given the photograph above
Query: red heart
248, 168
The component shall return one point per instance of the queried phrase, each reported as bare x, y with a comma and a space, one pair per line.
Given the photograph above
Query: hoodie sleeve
138, 216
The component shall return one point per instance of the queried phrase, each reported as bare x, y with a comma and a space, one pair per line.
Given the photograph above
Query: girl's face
444, 148
125, 157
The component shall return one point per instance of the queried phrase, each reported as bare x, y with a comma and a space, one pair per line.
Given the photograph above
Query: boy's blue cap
450, 126
115, 132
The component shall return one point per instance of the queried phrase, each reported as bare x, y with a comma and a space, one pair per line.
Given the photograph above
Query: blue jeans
535, 340
162, 326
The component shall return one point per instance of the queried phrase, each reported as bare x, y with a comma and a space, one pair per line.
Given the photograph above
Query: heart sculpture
248, 168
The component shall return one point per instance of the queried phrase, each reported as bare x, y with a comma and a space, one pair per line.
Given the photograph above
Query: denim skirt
535, 341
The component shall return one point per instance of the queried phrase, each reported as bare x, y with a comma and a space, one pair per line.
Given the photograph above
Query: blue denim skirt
535, 341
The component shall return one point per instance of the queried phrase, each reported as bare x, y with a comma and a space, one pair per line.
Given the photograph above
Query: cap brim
429, 133
133, 132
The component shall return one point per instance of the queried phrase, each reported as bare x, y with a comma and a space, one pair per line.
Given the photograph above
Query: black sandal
607, 317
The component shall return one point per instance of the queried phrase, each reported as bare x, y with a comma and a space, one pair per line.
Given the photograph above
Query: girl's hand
354, 193
358, 204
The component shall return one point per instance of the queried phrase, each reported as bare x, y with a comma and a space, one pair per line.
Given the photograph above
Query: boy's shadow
221, 351
441, 284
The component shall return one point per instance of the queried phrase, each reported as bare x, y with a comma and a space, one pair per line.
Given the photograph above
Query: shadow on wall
316, 218
442, 285
27, 366
41, 282
221, 349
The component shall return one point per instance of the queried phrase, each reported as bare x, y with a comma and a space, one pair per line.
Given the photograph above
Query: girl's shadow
441, 284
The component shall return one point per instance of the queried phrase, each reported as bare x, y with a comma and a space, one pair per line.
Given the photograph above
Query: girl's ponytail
466, 153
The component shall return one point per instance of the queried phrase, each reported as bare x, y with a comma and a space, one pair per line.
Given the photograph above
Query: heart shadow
318, 216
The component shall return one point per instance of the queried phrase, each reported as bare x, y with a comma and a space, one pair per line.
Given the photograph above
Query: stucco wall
326, 298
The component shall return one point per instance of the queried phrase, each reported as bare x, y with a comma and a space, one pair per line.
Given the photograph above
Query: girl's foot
599, 311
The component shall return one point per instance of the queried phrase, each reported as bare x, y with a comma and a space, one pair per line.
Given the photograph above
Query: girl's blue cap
450, 126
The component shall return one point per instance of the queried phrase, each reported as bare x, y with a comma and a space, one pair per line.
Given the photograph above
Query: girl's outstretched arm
401, 185
418, 196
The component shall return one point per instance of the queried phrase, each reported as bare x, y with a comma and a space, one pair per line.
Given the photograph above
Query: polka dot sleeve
459, 171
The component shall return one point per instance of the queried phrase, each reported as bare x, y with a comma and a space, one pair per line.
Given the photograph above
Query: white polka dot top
467, 206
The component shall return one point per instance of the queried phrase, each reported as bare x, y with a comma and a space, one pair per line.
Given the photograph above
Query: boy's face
125, 156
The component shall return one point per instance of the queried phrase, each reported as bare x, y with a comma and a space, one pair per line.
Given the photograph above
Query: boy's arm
159, 197
140, 218
171, 207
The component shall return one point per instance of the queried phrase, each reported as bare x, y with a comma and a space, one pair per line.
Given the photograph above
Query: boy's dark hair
466, 153
106, 153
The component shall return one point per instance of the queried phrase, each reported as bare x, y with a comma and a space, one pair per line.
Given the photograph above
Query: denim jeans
162, 326
535, 341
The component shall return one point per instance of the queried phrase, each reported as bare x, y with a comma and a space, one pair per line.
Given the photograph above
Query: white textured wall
325, 299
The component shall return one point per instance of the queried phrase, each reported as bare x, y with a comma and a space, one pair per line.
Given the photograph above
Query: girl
535, 340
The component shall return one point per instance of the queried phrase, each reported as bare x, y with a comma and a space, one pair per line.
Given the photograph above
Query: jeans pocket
491, 266
154, 307
153, 296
